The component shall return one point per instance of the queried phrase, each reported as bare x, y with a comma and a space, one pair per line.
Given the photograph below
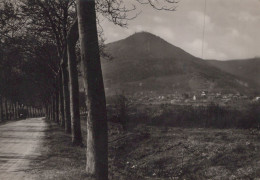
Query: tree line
45, 45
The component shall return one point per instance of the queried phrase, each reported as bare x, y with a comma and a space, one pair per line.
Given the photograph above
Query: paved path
18, 147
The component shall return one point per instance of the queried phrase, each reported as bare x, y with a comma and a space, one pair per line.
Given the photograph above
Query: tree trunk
49, 110
6, 110
43, 111
1, 109
56, 103
13, 111
66, 95
10, 111
29, 112
16, 110
61, 101
46, 111
97, 143
13, 104
32, 112
53, 108
19, 111
74, 84
26, 110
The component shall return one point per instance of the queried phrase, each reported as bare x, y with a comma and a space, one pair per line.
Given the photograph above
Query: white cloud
195, 48
231, 29
139, 28
247, 17
134, 29
164, 32
214, 54
235, 35
234, 32
197, 19
158, 19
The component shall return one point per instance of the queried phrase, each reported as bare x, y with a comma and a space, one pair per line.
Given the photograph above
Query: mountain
248, 69
145, 62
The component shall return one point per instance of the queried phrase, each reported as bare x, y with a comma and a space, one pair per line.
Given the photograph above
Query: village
193, 98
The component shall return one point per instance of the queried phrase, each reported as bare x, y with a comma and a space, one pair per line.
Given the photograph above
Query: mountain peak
144, 44
145, 36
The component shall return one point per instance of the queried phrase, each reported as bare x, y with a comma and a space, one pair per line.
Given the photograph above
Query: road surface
19, 142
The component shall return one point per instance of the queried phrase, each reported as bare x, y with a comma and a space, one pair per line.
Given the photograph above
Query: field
157, 152
175, 153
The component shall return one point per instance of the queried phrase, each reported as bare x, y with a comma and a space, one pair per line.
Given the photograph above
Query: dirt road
18, 147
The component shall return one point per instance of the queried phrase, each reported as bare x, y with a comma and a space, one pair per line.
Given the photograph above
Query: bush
118, 110
211, 116
251, 117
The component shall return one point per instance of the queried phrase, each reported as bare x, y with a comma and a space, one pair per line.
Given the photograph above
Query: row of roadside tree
42, 43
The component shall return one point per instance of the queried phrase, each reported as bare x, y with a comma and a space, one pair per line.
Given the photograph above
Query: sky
232, 27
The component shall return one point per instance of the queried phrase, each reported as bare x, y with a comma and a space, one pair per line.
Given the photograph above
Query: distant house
203, 93
257, 99
218, 94
161, 97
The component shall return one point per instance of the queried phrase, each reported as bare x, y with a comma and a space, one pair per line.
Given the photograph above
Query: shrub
118, 111
211, 116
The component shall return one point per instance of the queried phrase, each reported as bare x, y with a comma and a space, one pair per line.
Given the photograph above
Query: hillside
248, 69
145, 62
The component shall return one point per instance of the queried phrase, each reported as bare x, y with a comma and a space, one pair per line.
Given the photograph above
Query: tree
97, 148
54, 18
97, 152
19, 80
74, 84
1, 109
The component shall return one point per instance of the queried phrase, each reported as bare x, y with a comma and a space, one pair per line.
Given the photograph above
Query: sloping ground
172, 74
174, 153
248, 69
157, 153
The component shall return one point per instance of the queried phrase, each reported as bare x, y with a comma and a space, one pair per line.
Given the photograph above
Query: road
19, 142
